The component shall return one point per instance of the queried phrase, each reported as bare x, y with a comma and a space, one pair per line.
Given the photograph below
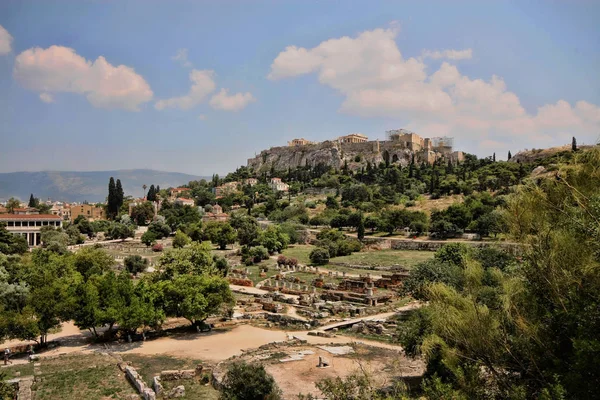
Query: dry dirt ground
383, 366
217, 345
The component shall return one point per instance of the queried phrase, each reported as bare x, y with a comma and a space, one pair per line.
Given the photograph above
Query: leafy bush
180, 240
259, 253
319, 256
249, 382
135, 264
157, 247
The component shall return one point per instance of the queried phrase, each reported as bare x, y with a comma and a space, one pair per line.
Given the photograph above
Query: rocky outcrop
335, 154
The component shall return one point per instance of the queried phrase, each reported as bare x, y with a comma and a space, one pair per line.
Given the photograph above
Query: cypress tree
120, 196
574, 144
111, 199
494, 158
151, 193
31, 200
509, 155
361, 228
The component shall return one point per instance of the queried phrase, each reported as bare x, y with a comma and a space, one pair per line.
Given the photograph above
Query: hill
535, 155
81, 186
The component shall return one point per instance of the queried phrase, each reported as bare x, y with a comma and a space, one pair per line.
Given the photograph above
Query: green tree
54, 240
32, 201
120, 231
90, 261
195, 297
360, 230
249, 382
180, 240
11, 243
149, 237
119, 195
11, 204
112, 205
142, 213
135, 264
273, 239
319, 256
574, 144
332, 203
528, 330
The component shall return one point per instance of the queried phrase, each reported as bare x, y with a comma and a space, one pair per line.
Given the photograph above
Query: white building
29, 225
185, 202
277, 184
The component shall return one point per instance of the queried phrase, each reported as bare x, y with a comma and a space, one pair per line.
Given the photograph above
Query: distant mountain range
81, 186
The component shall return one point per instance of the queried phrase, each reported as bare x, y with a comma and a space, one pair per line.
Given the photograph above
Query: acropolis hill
356, 150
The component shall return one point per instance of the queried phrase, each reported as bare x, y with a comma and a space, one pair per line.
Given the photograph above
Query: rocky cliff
335, 154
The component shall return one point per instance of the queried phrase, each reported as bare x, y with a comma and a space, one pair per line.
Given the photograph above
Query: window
38, 223
11, 223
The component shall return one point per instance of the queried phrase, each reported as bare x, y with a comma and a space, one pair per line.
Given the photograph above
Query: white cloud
46, 97
202, 117
235, 102
448, 54
61, 69
5, 41
182, 57
203, 84
377, 81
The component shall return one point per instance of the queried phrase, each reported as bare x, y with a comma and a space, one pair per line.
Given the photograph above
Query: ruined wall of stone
335, 154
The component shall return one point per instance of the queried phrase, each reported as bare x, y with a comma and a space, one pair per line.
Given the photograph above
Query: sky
201, 86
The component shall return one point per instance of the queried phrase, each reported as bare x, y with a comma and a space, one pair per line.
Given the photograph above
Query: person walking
7, 356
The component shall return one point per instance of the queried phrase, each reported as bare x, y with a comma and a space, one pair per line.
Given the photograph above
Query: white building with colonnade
29, 225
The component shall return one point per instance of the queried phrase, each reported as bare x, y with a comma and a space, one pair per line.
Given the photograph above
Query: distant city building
353, 138
250, 181
217, 214
176, 192
92, 212
299, 142
185, 202
225, 189
278, 185
29, 225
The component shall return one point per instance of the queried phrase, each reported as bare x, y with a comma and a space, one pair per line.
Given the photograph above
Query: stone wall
138, 383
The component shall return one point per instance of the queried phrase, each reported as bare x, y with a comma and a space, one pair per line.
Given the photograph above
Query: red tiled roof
29, 216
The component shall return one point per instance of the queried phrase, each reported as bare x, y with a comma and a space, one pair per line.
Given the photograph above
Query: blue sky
496, 75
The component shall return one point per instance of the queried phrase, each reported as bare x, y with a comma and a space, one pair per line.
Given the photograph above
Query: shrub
259, 253
319, 256
282, 260
135, 264
180, 240
249, 382
149, 237
157, 247
292, 262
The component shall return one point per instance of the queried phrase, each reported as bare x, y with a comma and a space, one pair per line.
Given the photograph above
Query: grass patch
385, 258
254, 271
79, 376
150, 366
299, 251
24, 369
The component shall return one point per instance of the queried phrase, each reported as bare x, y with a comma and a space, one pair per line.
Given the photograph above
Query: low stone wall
138, 383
